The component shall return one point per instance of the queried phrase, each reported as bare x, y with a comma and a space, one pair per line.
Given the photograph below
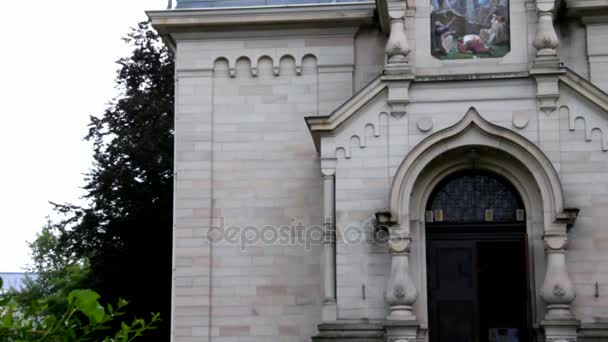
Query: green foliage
83, 319
119, 244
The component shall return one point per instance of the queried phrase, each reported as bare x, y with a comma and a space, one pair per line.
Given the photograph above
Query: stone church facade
390, 171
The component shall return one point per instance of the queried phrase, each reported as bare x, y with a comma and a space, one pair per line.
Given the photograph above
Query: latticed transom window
475, 196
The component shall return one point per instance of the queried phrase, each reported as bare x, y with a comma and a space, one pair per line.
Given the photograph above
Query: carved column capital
555, 243
399, 243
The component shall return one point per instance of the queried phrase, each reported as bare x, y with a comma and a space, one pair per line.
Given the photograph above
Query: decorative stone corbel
547, 89
398, 95
558, 292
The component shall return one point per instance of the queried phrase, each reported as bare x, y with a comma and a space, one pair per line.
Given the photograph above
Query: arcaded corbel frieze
591, 124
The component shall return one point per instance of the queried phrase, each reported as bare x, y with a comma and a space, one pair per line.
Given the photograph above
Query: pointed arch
474, 130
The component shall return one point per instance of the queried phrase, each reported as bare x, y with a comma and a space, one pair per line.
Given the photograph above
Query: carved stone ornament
397, 47
399, 292
559, 291
545, 41
399, 245
555, 242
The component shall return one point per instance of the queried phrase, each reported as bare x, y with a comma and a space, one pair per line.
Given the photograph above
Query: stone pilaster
328, 171
558, 292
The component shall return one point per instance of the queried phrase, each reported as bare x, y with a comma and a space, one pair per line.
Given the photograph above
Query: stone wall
245, 159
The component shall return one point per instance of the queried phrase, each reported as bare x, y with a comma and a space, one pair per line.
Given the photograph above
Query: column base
562, 330
350, 331
401, 313
546, 61
329, 312
401, 331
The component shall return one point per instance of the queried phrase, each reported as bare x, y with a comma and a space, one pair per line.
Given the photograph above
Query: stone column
401, 292
558, 292
329, 243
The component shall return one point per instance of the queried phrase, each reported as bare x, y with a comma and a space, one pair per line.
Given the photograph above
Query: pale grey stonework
246, 80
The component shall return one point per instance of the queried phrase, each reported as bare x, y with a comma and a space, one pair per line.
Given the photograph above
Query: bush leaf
86, 302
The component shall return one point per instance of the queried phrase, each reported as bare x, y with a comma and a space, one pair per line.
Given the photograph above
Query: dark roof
251, 3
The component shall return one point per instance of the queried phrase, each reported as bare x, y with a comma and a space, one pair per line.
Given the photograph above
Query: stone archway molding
557, 290
496, 137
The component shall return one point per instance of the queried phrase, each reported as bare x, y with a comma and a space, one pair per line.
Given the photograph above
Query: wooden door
452, 291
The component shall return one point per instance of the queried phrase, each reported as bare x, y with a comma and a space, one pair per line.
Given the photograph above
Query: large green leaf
86, 302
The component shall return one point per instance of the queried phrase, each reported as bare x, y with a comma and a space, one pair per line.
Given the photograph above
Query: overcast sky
56, 68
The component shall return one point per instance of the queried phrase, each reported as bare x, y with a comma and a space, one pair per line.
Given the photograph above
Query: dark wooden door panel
477, 285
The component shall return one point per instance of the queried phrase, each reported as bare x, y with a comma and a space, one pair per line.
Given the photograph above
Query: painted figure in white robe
498, 32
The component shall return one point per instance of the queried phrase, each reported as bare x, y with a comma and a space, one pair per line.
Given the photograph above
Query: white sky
56, 68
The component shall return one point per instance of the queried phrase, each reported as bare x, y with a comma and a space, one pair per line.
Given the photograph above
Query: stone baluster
558, 292
397, 47
546, 66
329, 245
400, 292
401, 324
546, 41
397, 71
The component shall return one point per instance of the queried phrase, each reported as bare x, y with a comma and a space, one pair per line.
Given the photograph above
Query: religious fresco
469, 28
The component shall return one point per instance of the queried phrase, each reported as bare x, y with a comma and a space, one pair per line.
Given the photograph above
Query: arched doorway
477, 272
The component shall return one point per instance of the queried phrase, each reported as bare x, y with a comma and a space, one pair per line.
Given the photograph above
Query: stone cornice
167, 22
319, 125
585, 88
589, 10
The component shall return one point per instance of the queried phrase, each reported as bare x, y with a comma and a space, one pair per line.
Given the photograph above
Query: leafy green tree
120, 243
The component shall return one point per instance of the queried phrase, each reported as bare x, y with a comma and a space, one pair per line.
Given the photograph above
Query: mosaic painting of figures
469, 28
